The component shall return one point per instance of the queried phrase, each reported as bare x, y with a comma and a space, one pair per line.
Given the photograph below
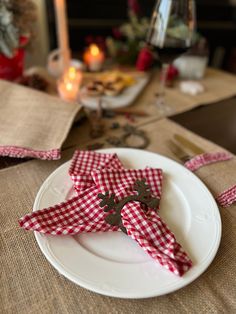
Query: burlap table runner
29, 284
218, 85
32, 123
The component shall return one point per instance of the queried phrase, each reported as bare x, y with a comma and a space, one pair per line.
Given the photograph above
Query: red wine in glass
171, 32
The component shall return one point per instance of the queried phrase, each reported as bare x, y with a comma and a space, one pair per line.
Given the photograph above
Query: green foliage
16, 18
136, 28
133, 33
9, 35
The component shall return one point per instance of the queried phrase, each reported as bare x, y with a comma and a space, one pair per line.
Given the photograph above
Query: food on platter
110, 83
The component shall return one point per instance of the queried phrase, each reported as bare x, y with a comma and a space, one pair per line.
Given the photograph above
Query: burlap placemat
29, 284
218, 85
217, 176
32, 124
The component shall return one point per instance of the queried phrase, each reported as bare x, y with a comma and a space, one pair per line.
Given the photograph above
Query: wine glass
171, 30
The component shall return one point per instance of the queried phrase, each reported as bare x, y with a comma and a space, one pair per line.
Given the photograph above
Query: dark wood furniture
216, 122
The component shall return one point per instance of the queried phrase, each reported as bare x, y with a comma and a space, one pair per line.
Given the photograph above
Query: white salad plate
113, 264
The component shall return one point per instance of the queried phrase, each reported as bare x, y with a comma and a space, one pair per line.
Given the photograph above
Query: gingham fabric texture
20, 152
205, 159
84, 162
83, 213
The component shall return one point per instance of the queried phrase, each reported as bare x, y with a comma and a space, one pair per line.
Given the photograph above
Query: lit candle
62, 32
69, 84
73, 74
94, 58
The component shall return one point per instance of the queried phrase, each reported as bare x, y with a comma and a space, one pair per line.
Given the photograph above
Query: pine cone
37, 82
34, 81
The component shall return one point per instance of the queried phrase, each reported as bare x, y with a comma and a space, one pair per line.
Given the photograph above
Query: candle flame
69, 86
72, 73
94, 50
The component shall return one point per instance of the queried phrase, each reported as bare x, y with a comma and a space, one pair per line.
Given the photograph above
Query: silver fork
178, 151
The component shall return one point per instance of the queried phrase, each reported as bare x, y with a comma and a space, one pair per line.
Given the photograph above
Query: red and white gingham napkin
83, 213
84, 162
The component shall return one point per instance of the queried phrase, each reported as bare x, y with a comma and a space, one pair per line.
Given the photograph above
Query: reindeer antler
107, 201
144, 196
142, 188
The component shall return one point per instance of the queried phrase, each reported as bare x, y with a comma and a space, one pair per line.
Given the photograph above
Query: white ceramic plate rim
157, 290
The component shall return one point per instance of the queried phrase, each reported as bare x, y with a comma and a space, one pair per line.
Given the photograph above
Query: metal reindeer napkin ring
144, 196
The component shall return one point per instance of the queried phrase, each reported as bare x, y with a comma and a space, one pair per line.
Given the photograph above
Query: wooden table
217, 122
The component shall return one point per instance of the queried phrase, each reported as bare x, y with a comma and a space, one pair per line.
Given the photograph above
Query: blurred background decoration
129, 38
118, 28
16, 31
216, 21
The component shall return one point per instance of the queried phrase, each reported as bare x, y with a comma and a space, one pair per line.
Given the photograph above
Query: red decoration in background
12, 68
171, 75
23, 41
134, 6
145, 59
172, 72
117, 33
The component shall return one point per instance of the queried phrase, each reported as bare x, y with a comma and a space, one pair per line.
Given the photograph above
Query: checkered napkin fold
95, 175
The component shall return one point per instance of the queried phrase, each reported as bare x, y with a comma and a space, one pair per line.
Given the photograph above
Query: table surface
216, 123
36, 286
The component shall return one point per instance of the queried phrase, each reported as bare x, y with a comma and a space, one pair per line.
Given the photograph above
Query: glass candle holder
69, 84
94, 58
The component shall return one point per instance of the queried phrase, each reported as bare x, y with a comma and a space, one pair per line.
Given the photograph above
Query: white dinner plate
124, 99
112, 263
